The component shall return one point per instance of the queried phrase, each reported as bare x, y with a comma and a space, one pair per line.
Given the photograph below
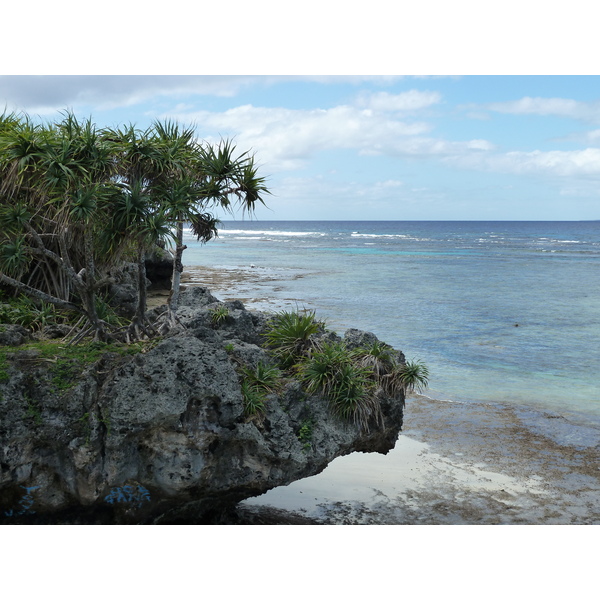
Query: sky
462, 134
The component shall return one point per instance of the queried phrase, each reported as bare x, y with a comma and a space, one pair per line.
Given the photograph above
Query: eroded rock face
13, 335
161, 437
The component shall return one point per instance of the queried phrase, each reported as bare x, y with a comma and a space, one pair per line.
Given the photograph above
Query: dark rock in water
161, 436
263, 515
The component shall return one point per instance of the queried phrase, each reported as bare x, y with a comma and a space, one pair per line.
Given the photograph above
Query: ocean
502, 313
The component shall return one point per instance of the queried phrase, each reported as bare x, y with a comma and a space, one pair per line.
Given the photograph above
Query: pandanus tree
217, 180
196, 179
52, 205
136, 219
75, 200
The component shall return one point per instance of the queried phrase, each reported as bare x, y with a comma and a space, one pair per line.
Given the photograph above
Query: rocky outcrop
161, 436
122, 292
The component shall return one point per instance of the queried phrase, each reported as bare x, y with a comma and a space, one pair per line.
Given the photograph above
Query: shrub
264, 377
254, 400
321, 371
28, 313
378, 358
218, 315
413, 376
305, 434
289, 335
107, 313
348, 385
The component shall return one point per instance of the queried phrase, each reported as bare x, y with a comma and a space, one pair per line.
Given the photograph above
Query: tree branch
30, 291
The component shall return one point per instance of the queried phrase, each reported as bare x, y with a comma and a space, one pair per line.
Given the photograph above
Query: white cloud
286, 138
556, 162
45, 94
558, 107
405, 101
591, 138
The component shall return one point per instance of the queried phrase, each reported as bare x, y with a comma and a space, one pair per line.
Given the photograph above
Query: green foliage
14, 256
305, 434
257, 382
352, 380
65, 363
321, 372
75, 199
218, 315
306, 430
33, 410
413, 375
107, 313
352, 396
29, 314
334, 371
289, 335
71, 360
392, 376
264, 377
254, 400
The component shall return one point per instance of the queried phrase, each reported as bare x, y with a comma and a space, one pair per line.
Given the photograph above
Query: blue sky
369, 147
465, 112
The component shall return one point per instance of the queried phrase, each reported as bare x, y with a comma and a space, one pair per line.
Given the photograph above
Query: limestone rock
161, 437
13, 335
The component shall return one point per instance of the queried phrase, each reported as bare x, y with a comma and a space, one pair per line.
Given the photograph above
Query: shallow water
507, 318
459, 464
496, 310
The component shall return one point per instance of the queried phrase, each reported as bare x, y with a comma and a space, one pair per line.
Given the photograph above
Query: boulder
13, 335
162, 436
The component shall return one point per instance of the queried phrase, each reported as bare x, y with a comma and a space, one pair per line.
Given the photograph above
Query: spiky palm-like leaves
322, 370
257, 382
254, 401
14, 257
333, 370
92, 195
263, 376
290, 335
413, 376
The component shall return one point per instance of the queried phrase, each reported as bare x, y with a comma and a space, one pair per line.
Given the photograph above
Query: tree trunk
142, 294
88, 290
89, 301
173, 302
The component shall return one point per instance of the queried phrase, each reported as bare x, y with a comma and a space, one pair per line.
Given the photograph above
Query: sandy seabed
460, 463
454, 463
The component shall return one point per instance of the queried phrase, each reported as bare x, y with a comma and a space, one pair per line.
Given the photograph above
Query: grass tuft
289, 335
218, 315
254, 401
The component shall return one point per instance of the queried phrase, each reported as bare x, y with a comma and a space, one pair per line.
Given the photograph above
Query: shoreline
454, 463
459, 464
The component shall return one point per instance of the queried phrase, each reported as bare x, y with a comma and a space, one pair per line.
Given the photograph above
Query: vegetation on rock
76, 200
352, 379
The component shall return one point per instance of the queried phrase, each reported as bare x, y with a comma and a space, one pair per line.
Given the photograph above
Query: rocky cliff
161, 436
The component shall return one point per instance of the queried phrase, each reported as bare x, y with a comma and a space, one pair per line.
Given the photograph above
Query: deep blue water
499, 311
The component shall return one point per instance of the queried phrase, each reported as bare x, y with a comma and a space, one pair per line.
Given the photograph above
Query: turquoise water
499, 311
